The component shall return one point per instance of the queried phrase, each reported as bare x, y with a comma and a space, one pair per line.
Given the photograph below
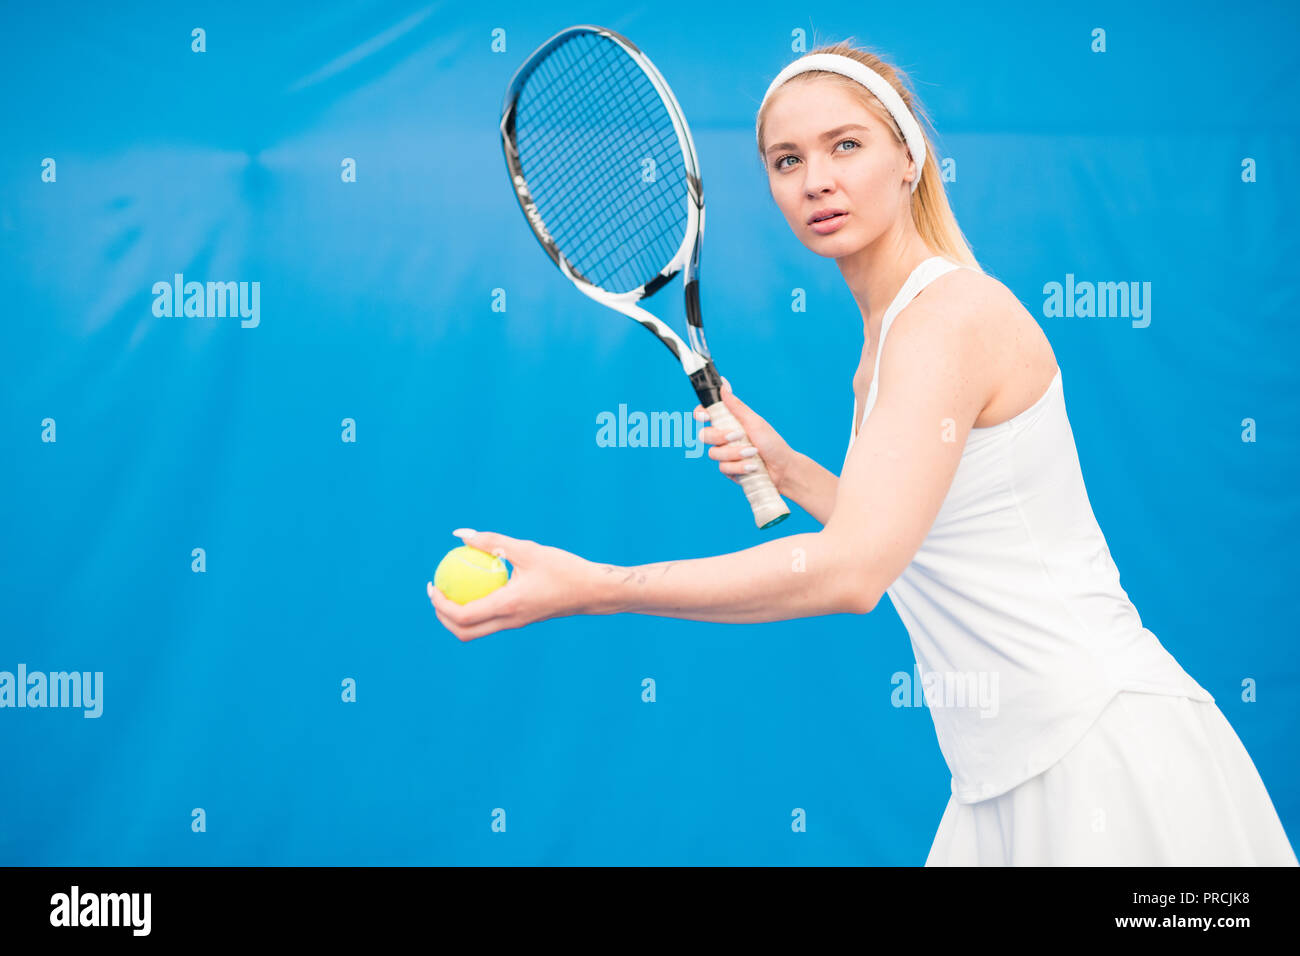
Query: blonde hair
931, 213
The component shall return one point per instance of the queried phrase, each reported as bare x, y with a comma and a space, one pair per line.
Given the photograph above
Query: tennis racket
604, 169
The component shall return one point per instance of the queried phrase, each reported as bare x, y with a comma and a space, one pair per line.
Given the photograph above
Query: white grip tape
764, 499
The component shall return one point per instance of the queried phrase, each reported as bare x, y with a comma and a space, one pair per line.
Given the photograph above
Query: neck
876, 272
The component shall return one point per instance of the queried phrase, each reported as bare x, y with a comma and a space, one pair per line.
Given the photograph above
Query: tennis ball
466, 574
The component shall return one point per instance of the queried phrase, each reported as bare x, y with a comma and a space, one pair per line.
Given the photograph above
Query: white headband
877, 84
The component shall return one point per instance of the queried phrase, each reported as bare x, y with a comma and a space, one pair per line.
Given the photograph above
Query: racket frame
764, 499
694, 357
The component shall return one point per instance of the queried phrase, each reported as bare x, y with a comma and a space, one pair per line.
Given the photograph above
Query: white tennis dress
1072, 736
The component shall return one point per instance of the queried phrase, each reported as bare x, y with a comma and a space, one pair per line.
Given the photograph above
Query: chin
833, 246
825, 254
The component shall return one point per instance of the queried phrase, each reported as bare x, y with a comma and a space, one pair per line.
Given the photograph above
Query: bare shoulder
961, 310
1009, 360
977, 303
964, 294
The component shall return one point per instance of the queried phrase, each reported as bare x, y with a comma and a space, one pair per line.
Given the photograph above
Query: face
858, 171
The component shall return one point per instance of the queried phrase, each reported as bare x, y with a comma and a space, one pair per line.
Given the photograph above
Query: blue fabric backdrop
131, 439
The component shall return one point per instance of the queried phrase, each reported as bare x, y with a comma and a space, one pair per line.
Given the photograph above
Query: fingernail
732, 436
751, 467
464, 532
748, 451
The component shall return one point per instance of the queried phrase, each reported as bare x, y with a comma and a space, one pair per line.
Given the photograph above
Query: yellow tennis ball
466, 574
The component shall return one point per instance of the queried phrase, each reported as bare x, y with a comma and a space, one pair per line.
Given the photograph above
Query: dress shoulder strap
921, 276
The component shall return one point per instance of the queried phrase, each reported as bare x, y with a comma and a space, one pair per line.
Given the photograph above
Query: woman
1072, 736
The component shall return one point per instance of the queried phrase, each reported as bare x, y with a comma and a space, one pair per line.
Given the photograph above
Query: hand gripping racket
605, 172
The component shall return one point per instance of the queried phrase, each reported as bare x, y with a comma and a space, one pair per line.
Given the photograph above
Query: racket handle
768, 506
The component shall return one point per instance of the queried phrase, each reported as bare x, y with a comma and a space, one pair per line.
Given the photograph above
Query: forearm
812, 488
802, 575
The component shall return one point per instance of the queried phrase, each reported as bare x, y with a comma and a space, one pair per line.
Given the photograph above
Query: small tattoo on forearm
637, 573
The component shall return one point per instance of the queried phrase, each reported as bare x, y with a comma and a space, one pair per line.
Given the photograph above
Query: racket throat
708, 384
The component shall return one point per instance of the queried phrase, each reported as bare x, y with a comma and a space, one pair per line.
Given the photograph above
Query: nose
817, 177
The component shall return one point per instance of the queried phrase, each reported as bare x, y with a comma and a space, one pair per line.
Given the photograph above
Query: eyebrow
824, 136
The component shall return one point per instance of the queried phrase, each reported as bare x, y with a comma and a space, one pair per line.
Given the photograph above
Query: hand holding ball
466, 574
540, 583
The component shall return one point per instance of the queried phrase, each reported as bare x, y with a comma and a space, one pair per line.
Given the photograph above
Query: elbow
858, 596
855, 585
864, 603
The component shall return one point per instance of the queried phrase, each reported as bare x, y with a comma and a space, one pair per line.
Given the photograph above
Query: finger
450, 626
448, 611
465, 635
489, 541
482, 630
440, 602
738, 408
468, 632
454, 615
714, 435
732, 452
738, 469
490, 607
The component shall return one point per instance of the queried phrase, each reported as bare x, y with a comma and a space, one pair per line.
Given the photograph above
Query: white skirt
1156, 781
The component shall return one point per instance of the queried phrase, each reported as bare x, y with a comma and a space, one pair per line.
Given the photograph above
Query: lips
823, 214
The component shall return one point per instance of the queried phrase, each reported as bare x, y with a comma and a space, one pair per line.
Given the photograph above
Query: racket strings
614, 90
546, 136
568, 185
604, 94
613, 168
586, 122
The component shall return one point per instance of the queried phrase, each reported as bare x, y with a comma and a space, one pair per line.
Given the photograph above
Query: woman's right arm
810, 486
796, 476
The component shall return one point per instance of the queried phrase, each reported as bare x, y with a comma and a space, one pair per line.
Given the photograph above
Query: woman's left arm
801, 575
937, 372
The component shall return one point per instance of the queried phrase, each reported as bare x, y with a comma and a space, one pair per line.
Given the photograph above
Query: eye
780, 161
